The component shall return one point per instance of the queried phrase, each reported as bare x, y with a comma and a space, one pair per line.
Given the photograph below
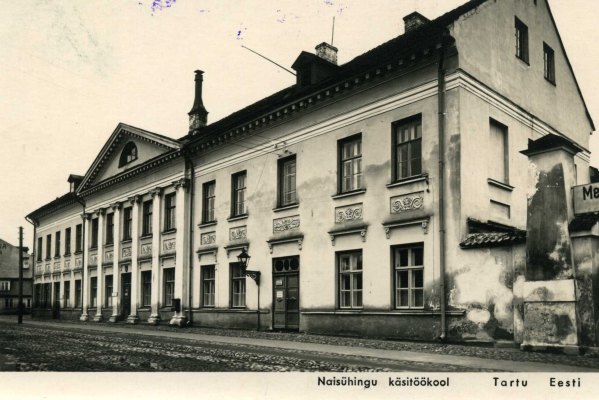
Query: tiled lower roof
493, 239
584, 222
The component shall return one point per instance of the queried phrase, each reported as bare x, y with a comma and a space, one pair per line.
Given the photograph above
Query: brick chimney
198, 116
413, 21
327, 52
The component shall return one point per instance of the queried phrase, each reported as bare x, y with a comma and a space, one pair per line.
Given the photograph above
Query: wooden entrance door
125, 295
286, 293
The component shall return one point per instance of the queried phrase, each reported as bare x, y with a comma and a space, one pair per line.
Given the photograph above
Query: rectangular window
109, 229
127, 223
79, 238
350, 279
67, 241
287, 182
78, 293
408, 266
237, 286
208, 199
94, 238
169, 211
208, 285
238, 194
4, 286
48, 246
521, 40
146, 223
499, 156
57, 245
93, 291
67, 294
407, 145
40, 242
169, 286
108, 291
549, 63
146, 288
350, 164
8, 302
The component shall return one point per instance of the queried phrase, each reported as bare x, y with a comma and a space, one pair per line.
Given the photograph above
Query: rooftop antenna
268, 59
333, 33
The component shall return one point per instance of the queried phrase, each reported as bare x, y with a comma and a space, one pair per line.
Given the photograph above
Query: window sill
409, 180
109, 244
93, 248
144, 308
146, 236
57, 257
500, 185
126, 241
550, 81
207, 224
67, 255
348, 194
47, 259
77, 252
237, 217
284, 208
523, 60
173, 230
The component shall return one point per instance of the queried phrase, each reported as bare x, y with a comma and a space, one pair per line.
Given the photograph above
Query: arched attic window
129, 154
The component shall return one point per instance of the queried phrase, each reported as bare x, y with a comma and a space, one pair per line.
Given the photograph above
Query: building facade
383, 197
9, 279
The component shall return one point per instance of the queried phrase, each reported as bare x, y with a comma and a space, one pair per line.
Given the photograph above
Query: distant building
9, 279
383, 197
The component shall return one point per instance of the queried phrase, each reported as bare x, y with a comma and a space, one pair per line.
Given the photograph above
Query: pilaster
156, 218
99, 272
180, 317
85, 269
116, 272
135, 201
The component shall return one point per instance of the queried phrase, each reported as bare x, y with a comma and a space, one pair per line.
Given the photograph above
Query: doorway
285, 277
125, 295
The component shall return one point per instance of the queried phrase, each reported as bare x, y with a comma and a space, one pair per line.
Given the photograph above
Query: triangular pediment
127, 148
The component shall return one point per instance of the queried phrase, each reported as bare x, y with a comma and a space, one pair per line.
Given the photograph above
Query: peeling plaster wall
483, 286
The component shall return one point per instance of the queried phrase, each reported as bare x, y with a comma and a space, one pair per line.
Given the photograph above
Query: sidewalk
341, 350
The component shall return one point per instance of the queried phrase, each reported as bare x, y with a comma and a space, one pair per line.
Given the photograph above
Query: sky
72, 70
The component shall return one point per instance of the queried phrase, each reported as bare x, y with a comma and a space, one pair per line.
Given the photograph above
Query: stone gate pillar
549, 294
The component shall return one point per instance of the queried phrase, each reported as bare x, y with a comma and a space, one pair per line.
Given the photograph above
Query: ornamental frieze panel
407, 202
126, 252
238, 233
57, 266
108, 256
208, 238
168, 245
78, 263
145, 249
67, 266
285, 224
93, 259
348, 213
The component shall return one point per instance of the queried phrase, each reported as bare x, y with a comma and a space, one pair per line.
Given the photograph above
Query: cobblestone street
50, 346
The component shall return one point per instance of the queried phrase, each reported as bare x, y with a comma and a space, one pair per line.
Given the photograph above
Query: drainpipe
190, 168
441, 115
34, 263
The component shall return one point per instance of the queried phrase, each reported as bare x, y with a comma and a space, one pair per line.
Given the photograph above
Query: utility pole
20, 306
